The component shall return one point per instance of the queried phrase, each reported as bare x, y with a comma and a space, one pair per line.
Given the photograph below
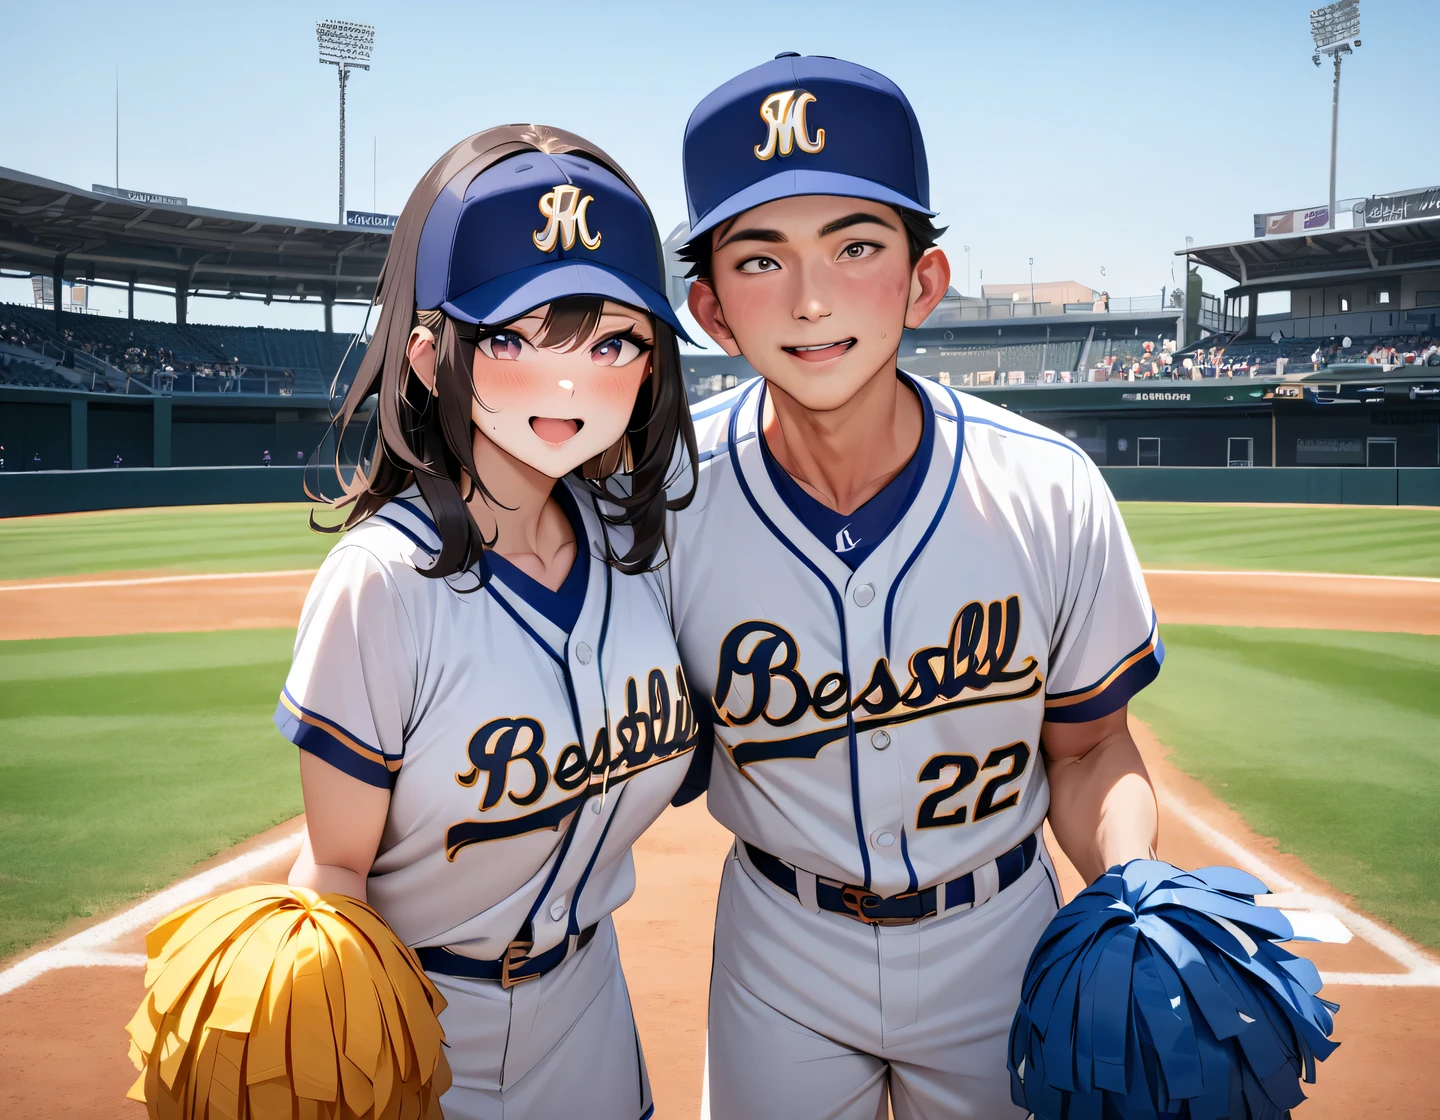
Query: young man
916, 617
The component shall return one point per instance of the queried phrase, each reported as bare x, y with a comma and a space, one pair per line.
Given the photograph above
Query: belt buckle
516, 954
856, 899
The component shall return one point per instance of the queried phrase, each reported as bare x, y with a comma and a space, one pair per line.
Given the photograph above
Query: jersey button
863, 595
557, 909
583, 653
883, 839
879, 740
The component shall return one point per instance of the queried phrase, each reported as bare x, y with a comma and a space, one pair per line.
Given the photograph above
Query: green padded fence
27, 493
32, 492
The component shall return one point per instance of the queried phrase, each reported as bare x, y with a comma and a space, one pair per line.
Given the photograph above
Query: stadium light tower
1334, 27
345, 46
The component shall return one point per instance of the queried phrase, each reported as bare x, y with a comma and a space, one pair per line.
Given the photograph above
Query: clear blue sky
1084, 135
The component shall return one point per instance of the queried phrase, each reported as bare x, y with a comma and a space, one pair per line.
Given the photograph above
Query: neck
529, 526
845, 456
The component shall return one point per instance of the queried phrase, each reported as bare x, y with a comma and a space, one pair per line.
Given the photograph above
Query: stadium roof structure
1266, 264
51, 229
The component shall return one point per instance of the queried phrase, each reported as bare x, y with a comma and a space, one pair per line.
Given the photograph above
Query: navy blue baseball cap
803, 125
535, 228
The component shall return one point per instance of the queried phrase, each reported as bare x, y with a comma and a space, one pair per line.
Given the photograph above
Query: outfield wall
36, 492
32, 492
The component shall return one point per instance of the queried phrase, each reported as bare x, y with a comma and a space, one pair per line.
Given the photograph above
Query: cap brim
510, 296
788, 184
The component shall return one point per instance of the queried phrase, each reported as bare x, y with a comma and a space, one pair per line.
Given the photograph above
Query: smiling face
814, 292
555, 402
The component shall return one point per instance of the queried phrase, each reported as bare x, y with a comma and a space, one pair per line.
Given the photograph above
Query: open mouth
553, 430
820, 352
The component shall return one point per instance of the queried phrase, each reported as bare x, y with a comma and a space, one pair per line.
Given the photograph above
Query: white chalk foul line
88, 946
1421, 970
140, 581
1287, 575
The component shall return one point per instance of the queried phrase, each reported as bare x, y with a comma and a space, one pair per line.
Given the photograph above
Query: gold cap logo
784, 114
565, 209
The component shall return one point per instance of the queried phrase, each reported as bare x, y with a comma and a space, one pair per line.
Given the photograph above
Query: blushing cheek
503, 385
757, 312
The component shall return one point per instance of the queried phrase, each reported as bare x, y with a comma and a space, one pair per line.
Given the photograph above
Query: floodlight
345, 46
1333, 28
1335, 24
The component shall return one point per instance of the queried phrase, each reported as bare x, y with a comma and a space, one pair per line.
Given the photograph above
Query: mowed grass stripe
246, 538
1363, 540
1328, 741
126, 761
239, 538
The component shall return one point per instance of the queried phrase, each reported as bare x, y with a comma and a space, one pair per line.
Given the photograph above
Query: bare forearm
325, 878
1102, 806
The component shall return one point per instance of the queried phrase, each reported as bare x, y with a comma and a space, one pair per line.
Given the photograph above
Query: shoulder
714, 418
393, 544
1014, 460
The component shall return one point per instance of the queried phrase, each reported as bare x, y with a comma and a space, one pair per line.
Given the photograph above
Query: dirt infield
156, 602
62, 1014
1389, 1022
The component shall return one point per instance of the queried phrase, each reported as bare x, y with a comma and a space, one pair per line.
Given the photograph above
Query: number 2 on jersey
967, 768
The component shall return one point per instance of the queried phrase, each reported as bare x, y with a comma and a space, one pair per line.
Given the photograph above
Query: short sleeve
351, 685
1106, 645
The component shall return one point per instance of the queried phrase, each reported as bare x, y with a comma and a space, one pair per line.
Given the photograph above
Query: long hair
426, 439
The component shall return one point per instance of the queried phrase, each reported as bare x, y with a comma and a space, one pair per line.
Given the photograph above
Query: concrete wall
36, 492
1406, 486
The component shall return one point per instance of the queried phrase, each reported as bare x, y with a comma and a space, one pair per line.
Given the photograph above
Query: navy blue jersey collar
854, 536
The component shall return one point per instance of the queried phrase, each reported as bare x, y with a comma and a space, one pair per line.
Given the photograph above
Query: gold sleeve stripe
338, 733
1110, 678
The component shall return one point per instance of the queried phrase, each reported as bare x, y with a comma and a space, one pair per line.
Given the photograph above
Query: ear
420, 351
929, 282
705, 306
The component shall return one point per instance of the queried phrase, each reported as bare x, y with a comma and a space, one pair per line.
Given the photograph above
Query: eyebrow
773, 236
856, 219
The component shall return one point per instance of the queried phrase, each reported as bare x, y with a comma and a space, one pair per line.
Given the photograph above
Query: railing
963, 312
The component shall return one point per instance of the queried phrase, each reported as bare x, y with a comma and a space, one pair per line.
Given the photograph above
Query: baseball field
1295, 730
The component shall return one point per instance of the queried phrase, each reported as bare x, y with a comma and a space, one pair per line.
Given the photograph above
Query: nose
811, 303
568, 386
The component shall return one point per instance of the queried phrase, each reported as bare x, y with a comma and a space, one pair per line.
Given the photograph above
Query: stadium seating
204, 358
17, 371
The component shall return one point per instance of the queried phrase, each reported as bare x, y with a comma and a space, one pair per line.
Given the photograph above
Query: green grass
251, 538
243, 538
1328, 741
126, 761
1365, 540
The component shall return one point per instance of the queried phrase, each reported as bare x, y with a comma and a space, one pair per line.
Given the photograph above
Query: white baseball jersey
881, 727
493, 729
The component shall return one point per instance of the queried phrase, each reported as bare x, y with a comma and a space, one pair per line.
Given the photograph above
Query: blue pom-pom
1158, 994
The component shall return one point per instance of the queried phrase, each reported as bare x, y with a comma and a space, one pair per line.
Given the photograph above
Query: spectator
35, 462
265, 459
118, 461
299, 457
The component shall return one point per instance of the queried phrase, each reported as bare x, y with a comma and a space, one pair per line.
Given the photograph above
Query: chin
822, 392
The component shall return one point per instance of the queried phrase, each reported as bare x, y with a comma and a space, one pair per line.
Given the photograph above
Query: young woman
485, 690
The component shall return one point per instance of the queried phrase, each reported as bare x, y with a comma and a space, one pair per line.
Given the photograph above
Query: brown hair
427, 439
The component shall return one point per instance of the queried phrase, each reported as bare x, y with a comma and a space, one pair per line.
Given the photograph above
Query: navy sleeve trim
1127, 677
328, 740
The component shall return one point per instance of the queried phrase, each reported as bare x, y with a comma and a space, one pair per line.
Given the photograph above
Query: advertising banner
1423, 203
144, 198
1292, 221
367, 220
1329, 453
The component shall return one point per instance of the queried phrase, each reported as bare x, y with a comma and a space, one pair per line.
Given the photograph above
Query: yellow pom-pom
269, 1003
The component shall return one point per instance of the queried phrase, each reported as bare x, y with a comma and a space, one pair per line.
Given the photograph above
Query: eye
503, 346
616, 352
858, 251
758, 264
